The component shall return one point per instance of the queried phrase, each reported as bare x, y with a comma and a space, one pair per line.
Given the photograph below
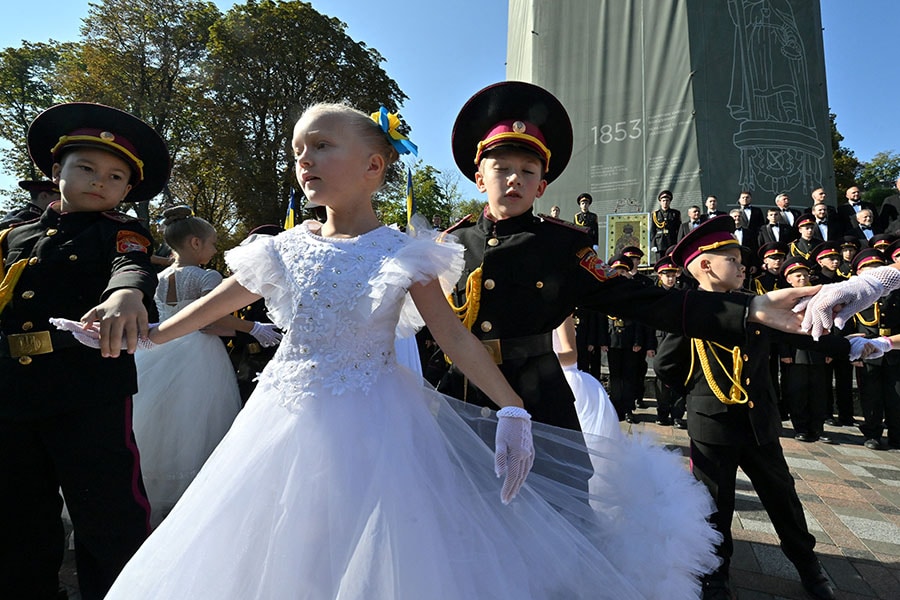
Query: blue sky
441, 52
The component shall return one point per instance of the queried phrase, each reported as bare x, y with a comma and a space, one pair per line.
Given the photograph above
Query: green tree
269, 59
846, 166
27, 87
145, 56
881, 172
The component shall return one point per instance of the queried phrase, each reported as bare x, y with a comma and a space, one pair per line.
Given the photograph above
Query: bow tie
820, 222
864, 227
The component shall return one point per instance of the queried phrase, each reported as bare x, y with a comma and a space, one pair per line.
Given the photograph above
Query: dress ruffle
258, 267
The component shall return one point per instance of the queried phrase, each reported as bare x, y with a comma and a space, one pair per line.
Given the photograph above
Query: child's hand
122, 320
514, 450
89, 335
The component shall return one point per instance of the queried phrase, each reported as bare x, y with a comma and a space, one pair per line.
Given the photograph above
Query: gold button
756, 332
33, 260
28, 294
745, 357
25, 360
750, 404
747, 381
539, 284
493, 242
489, 284
27, 325
73, 257
51, 232
486, 326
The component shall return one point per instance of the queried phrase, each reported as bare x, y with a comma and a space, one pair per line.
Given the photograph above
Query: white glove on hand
91, 337
863, 348
265, 333
514, 450
855, 294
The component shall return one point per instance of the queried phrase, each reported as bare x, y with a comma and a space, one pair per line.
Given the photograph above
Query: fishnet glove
265, 333
863, 348
514, 450
91, 337
855, 294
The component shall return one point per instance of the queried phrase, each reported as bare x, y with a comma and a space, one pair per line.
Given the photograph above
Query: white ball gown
187, 397
344, 477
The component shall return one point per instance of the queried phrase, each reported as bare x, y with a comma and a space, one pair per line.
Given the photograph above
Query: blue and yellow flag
410, 200
289, 217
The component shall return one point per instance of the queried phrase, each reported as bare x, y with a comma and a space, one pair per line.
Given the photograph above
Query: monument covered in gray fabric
700, 97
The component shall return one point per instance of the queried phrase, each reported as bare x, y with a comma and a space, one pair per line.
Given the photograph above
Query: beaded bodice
340, 333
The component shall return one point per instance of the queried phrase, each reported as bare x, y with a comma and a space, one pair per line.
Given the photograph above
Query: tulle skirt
187, 399
393, 496
596, 413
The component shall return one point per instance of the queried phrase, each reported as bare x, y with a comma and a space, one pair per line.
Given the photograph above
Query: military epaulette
566, 224
118, 217
466, 221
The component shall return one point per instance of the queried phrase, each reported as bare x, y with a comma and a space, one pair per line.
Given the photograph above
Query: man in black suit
694, 219
748, 239
775, 230
889, 219
753, 217
828, 227
787, 214
847, 212
864, 226
712, 204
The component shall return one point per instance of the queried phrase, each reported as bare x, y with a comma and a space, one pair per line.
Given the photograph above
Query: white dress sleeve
209, 280
258, 267
428, 255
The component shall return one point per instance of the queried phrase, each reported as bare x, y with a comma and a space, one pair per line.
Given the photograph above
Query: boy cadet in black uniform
42, 193
65, 412
665, 222
669, 401
732, 418
524, 275
849, 247
772, 255
879, 394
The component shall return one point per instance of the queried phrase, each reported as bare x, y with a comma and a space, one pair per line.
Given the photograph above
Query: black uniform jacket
75, 261
29, 212
710, 420
882, 318
535, 272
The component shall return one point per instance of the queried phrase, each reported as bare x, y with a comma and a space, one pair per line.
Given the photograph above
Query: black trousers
880, 401
840, 391
622, 363
716, 466
668, 402
807, 393
90, 453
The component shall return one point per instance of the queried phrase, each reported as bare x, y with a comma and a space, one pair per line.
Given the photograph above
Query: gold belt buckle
29, 344
884, 331
493, 348
254, 348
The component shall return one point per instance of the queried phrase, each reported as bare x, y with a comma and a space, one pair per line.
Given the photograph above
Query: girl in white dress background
187, 390
345, 478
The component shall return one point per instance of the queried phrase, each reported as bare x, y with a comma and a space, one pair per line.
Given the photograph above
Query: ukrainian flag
289, 217
410, 200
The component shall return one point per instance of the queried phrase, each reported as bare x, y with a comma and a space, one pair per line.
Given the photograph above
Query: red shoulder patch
566, 224
131, 241
590, 262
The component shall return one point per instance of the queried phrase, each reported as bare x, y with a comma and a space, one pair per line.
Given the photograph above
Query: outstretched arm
224, 299
776, 309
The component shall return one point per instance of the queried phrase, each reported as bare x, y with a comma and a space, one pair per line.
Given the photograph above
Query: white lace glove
855, 294
91, 337
265, 333
861, 347
514, 450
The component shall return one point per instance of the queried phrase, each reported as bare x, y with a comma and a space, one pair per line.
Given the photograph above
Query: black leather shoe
804, 437
639, 403
847, 422
816, 584
629, 418
872, 444
680, 424
664, 421
833, 422
825, 439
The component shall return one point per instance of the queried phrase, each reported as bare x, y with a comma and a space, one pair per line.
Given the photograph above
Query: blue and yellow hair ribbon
389, 123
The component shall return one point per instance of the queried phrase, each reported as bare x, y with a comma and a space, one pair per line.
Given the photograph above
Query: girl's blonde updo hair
180, 225
362, 124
